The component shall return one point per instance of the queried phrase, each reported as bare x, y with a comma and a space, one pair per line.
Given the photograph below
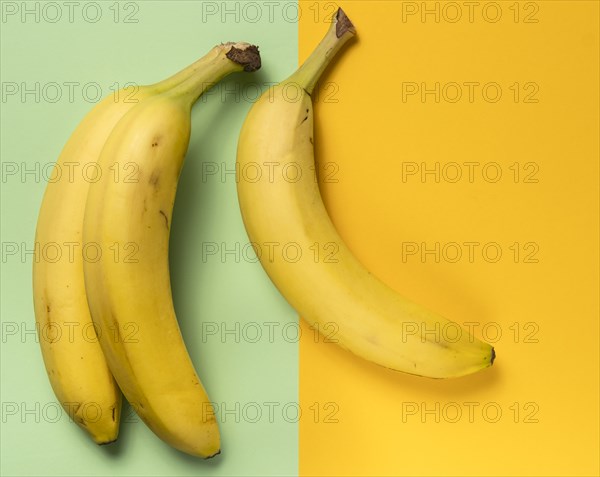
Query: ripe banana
132, 295
373, 321
73, 358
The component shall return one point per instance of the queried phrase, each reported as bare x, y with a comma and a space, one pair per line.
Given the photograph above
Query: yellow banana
74, 361
373, 321
130, 298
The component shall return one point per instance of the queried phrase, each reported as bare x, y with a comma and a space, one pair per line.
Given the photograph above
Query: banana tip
247, 56
214, 455
343, 24
105, 443
493, 356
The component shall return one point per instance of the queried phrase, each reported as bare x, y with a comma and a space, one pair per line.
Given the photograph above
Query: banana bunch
115, 293
98, 290
373, 321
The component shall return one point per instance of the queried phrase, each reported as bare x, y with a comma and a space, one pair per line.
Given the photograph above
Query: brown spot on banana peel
166, 218
248, 57
305, 117
154, 179
45, 299
156, 140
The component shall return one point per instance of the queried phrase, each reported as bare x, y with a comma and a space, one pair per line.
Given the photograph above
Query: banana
130, 297
373, 321
72, 355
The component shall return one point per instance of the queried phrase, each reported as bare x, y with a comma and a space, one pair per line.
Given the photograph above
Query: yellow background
371, 133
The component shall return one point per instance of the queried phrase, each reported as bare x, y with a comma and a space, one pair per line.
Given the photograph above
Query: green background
223, 291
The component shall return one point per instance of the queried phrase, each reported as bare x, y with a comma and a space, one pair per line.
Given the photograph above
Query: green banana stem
221, 61
186, 72
340, 31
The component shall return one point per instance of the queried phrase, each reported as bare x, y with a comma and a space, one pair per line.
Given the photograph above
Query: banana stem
183, 74
218, 63
340, 31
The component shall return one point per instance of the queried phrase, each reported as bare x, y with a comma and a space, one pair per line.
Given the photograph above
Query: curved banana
373, 321
130, 295
73, 358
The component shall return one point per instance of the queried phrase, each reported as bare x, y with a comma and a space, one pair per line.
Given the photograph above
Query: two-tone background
459, 148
